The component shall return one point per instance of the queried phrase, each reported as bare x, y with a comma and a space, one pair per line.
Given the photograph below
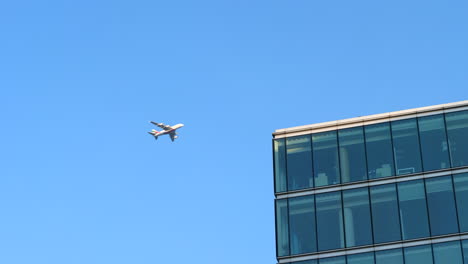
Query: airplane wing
173, 136
161, 125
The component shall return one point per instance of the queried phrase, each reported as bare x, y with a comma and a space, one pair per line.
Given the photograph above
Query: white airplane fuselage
171, 130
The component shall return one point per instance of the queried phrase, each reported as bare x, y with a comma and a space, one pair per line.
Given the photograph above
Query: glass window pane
335, 260
279, 152
445, 253
441, 204
406, 146
379, 151
465, 251
302, 225
413, 210
282, 237
364, 258
433, 140
461, 193
326, 158
357, 217
313, 261
457, 129
385, 215
329, 221
299, 162
352, 154
393, 256
418, 255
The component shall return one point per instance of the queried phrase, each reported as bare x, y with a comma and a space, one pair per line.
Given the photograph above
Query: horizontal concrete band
372, 182
369, 120
372, 248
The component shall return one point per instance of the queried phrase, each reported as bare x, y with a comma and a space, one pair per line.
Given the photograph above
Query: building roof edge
356, 121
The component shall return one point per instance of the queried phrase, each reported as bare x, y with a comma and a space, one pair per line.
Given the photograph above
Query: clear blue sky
82, 182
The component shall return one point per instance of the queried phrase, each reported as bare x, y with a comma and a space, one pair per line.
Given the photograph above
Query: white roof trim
370, 119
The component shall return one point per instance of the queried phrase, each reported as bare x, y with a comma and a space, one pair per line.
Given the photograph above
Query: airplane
171, 130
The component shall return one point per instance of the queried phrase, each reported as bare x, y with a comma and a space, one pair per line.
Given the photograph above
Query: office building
388, 189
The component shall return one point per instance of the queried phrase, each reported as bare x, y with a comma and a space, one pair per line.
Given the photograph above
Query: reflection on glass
357, 217
329, 221
457, 131
313, 261
282, 237
418, 255
385, 216
335, 260
433, 139
299, 162
393, 256
326, 158
413, 210
406, 146
465, 251
461, 193
279, 152
302, 225
441, 204
352, 154
379, 151
364, 258
447, 253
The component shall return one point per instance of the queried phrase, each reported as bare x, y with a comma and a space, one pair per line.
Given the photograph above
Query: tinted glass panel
447, 253
379, 151
326, 158
433, 140
385, 215
418, 255
465, 251
329, 221
279, 152
302, 225
299, 162
282, 237
335, 260
305, 262
352, 154
357, 217
441, 204
393, 256
413, 210
365, 258
406, 146
461, 192
457, 131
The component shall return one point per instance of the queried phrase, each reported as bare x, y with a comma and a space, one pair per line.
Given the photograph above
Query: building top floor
397, 144
370, 119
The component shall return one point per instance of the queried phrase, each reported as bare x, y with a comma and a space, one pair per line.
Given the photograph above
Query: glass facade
390, 184
453, 252
299, 162
385, 213
302, 225
457, 129
325, 149
356, 212
406, 146
407, 210
413, 210
329, 221
352, 154
461, 194
375, 151
419, 254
